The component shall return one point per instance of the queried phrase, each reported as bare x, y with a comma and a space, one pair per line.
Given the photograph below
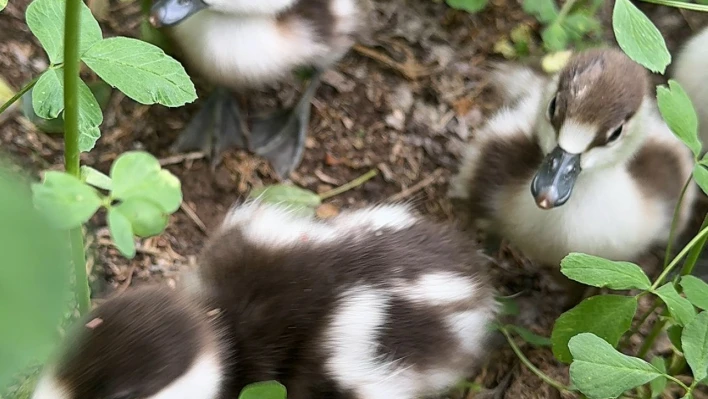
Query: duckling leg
280, 136
217, 126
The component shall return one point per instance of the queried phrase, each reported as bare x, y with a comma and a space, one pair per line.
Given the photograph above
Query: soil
403, 104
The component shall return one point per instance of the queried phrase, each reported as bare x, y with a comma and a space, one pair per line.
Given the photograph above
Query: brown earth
404, 106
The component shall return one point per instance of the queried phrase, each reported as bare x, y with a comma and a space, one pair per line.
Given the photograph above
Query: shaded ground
408, 117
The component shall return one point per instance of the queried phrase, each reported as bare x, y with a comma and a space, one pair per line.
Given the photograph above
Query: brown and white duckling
578, 162
690, 70
376, 303
242, 44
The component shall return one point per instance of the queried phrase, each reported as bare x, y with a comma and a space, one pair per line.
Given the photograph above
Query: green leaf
95, 178
545, 11
45, 19
700, 175
555, 37
137, 174
34, 279
3, 4
639, 38
659, 384
529, 336
677, 110
600, 371
579, 24
90, 118
599, 272
67, 201
121, 232
264, 390
48, 94
679, 307
695, 345
509, 307
675, 332
141, 70
607, 316
471, 6
295, 198
146, 218
696, 291
88, 135
48, 103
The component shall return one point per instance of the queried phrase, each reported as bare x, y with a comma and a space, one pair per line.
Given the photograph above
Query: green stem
677, 381
548, 380
19, 94
653, 335
354, 183
567, 6
679, 4
83, 292
674, 222
693, 255
72, 34
698, 238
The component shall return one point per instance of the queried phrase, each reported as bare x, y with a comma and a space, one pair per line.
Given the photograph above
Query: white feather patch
203, 380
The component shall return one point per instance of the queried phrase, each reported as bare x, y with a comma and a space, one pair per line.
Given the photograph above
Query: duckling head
592, 121
147, 344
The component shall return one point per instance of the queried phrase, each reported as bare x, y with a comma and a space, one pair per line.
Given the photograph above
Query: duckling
245, 44
577, 162
377, 303
690, 70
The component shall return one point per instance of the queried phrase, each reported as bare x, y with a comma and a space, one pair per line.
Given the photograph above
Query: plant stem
71, 140
19, 94
348, 186
674, 222
677, 381
567, 6
693, 255
698, 238
548, 380
653, 335
679, 4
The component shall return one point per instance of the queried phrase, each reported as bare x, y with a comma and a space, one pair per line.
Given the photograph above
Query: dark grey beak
171, 12
554, 181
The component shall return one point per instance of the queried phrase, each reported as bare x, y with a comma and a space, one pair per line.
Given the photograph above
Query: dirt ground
404, 105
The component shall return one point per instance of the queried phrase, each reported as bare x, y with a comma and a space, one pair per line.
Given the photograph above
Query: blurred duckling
375, 303
690, 70
578, 162
242, 44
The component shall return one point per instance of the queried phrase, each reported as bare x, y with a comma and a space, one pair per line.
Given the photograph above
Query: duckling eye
615, 135
552, 108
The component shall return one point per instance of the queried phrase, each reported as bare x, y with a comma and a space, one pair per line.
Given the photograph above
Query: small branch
348, 186
693, 255
19, 94
679, 4
192, 215
567, 6
418, 186
681, 384
674, 222
548, 380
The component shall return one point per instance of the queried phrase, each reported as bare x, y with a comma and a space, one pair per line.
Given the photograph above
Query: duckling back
375, 303
236, 48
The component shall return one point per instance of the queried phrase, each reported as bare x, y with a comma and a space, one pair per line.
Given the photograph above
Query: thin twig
416, 187
348, 186
179, 158
194, 217
703, 233
548, 380
19, 94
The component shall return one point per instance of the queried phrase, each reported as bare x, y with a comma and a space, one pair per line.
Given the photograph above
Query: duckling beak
554, 181
171, 12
